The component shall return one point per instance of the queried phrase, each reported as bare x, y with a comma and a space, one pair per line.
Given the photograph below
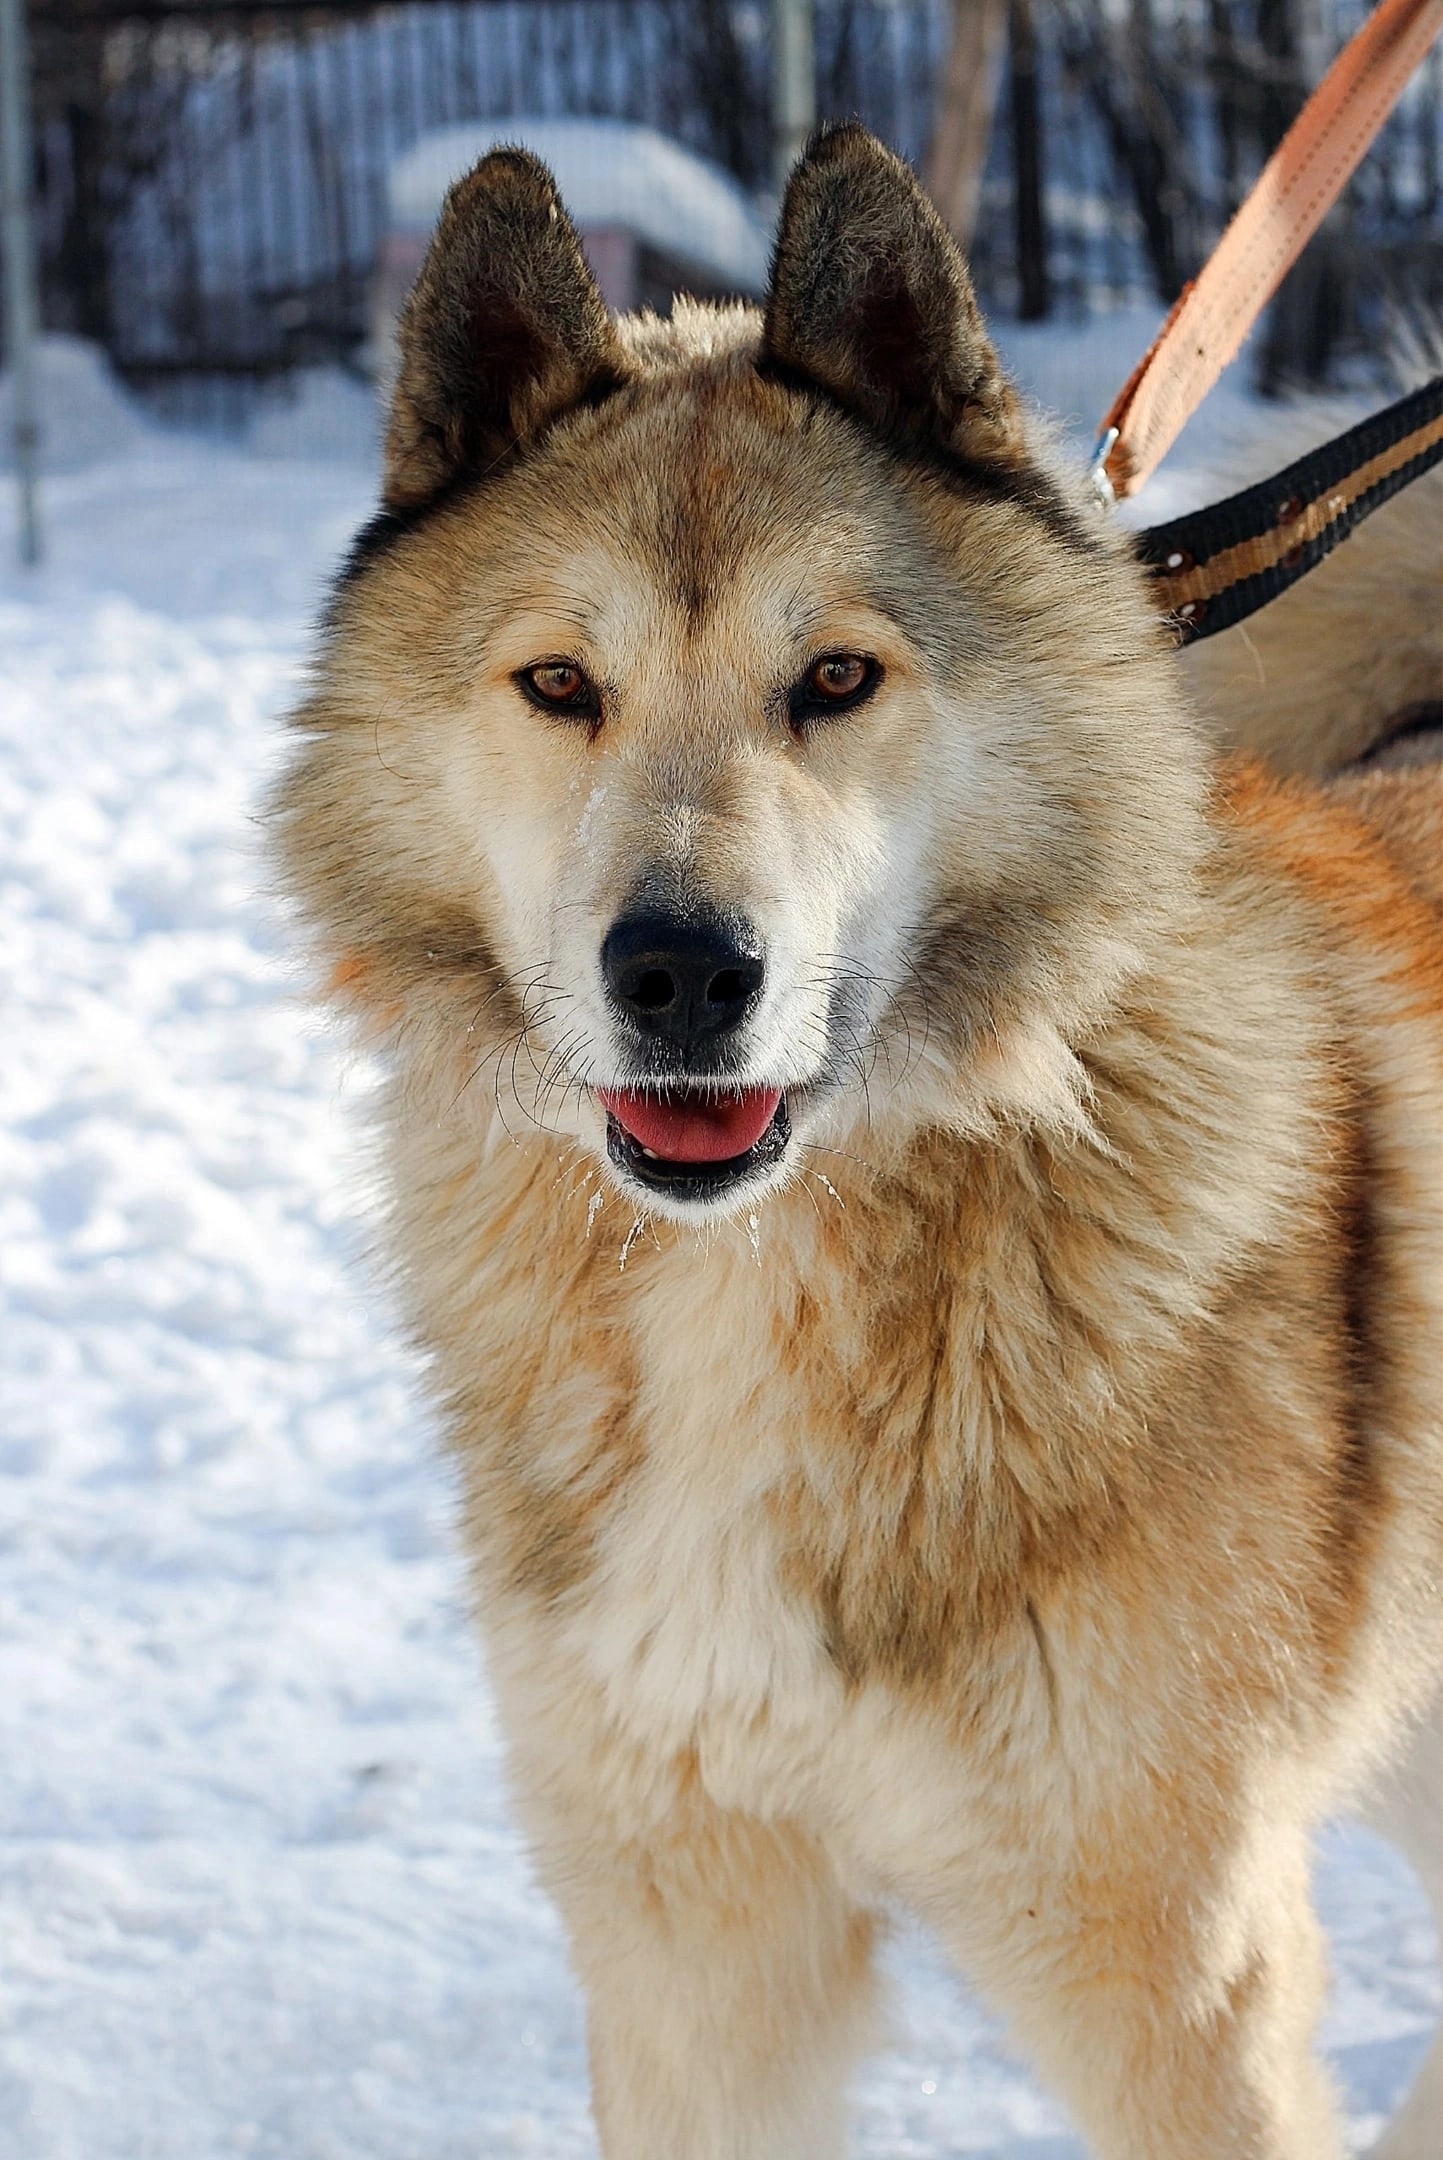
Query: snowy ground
259, 1889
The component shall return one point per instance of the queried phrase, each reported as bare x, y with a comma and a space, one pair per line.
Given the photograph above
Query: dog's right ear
504, 331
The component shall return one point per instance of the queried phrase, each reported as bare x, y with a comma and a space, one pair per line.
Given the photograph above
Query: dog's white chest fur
697, 1646
686, 1624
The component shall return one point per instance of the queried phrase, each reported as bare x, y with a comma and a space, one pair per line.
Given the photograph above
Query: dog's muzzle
683, 984
690, 1144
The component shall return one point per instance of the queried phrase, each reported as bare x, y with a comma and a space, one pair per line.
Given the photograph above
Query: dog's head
729, 738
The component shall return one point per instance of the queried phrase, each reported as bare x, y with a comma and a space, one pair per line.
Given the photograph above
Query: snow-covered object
612, 175
85, 412
324, 413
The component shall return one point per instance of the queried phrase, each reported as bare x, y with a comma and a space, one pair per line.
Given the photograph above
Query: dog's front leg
728, 1983
1177, 2021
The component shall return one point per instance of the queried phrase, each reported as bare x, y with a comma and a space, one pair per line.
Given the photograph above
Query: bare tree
719, 75
958, 153
1034, 285
1120, 66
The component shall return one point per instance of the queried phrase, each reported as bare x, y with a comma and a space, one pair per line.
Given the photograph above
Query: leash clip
1103, 491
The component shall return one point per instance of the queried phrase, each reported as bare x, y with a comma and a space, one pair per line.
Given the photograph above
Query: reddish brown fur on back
1340, 847
1404, 806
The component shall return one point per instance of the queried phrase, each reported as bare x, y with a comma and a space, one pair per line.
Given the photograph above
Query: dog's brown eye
840, 675
834, 683
561, 686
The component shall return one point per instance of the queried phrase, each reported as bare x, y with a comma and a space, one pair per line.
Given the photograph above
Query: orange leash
1294, 193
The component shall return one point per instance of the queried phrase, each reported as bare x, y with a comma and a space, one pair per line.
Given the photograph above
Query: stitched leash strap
1296, 189
1217, 566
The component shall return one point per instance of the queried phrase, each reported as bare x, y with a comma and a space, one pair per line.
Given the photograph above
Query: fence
212, 176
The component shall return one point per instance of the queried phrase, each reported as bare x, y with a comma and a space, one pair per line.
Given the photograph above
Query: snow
1072, 371
610, 174
260, 1889
321, 412
73, 380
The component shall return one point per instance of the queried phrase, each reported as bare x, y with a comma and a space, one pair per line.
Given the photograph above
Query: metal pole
17, 238
794, 85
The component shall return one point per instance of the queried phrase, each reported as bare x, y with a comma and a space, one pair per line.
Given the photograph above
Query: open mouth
693, 1144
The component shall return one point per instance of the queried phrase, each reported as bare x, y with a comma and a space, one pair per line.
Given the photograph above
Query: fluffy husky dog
918, 1181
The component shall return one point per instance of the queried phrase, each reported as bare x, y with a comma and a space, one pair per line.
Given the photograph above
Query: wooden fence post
958, 153
794, 85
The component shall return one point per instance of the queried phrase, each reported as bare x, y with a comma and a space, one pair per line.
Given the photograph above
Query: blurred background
232, 195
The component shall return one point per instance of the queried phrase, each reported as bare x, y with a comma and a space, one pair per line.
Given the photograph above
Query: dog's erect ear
871, 300
505, 330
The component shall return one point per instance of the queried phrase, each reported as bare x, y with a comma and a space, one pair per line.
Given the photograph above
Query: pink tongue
694, 1128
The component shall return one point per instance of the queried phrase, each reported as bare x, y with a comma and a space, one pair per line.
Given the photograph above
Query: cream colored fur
1022, 1503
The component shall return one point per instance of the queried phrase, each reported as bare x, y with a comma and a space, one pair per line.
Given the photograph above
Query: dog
916, 1177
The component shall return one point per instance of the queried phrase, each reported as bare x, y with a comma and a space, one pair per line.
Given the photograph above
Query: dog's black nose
688, 979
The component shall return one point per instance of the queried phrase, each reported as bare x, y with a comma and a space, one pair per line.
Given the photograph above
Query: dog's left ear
871, 300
